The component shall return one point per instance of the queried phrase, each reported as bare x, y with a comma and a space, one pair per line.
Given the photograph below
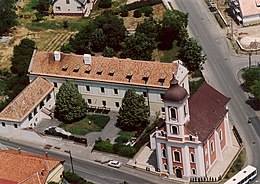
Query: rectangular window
145, 94
55, 84
3, 124
87, 88
30, 116
185, 110
102, 89
117, 104
15, 126
35, 111
57, 8
220, 135
116, 91
212, 149
48, 97
163, 109
161, 96
192, 157
89, 101
67, 1
104, 103
79, 8
177, 157
41, 104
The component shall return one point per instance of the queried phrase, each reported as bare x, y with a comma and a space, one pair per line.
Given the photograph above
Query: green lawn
97, 123
170, 55
124, 136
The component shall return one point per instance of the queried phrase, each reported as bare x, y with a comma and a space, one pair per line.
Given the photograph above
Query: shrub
121, 140
124, 12
147, 10
74, 178
104, 146
137, 13
127, 151
219, 20
65, 24
194, 85
105, 4
140, 4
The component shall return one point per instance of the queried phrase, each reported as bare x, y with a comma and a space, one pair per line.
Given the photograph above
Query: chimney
57, 55
87, 59
46, 154
19, 150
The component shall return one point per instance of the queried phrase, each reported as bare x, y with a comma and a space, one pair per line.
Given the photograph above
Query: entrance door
178, 173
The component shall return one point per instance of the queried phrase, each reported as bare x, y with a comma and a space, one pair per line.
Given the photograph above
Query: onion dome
175, 93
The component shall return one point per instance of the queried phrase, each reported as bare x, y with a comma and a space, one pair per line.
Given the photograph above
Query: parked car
114, 163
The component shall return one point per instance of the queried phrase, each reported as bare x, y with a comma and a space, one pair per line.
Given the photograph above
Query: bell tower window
174, 130
173, 113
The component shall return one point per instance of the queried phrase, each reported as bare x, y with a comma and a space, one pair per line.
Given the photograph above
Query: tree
173, 22
137, 13
149, 27
74, 178
7, 15
98, 40
250, 75
191, 55
104, 3
255, 89
22, 55
70, 105
108, 52
43, 6
139, 47
113, 27
134, 113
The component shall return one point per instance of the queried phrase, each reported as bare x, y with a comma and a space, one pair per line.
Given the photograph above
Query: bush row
120, 149
140, 4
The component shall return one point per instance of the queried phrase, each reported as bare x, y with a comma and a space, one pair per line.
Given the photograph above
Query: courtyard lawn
124, 136
92, 123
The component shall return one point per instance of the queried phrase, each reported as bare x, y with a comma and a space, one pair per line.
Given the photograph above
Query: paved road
100, 174
221, 70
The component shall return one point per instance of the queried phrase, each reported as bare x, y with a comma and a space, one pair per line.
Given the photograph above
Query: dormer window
76, 69
99, 72
161, 81
129, 77
88, 69
111, 72
64, 68
145, 79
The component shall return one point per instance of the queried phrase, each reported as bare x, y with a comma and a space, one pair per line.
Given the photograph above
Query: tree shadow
253, 103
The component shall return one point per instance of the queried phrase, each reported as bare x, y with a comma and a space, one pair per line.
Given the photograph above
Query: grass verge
92, 123
237, 165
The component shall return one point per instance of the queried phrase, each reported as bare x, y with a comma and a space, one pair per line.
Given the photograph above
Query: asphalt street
95, 172
221, 70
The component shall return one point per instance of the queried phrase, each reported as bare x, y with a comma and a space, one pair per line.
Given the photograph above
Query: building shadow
253, 103
152, 159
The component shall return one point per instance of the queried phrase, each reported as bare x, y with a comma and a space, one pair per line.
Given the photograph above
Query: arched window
174, 130
177, 156
212, 149
190, 137
173, 113
220, 135
193, 171
164, 152
192, 157
165, 166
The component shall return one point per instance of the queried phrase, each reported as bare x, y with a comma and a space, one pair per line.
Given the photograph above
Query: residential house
246, 12
195, 131
72, 7
19, 167
28, 108
103, 81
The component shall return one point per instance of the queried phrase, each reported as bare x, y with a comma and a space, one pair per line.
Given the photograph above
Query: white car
114, 163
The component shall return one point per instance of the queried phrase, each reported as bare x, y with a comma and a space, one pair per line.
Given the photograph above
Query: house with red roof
195, 131
19, 167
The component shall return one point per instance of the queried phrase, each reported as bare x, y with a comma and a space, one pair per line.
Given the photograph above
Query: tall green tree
250, 75
70, 105
173, 22
113, 27
139, 47
191, 55
43, 6
7, 15
149, 27
255, 89
108, 52
22, 55
134, 113
98, 40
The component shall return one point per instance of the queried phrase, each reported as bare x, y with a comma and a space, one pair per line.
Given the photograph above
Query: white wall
68, 8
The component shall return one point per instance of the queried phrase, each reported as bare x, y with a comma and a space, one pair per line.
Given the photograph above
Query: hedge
140, 4
137, 14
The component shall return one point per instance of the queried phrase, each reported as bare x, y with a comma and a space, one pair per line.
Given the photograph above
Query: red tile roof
72, 66
27, 100
25, 167
207, 111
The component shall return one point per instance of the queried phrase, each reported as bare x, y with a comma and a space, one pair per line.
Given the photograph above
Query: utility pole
249, 59
71, 161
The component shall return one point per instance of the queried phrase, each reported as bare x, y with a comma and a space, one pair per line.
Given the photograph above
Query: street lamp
249, 59
71, 161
